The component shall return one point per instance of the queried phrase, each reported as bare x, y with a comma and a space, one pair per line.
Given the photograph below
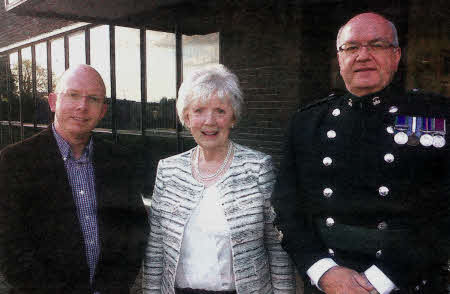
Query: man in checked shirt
72, 218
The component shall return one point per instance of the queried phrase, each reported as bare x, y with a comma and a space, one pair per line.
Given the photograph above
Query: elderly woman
211, 216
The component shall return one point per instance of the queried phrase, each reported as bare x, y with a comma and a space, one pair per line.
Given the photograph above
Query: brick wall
278, 70
14, 28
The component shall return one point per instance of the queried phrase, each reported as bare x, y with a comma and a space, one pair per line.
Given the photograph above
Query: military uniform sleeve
16, 246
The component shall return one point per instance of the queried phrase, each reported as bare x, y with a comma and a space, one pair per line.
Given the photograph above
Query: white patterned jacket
260, 265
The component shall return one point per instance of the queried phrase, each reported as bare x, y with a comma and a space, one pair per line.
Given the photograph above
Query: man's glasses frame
376, 46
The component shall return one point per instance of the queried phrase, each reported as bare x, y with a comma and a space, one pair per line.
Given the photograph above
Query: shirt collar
66, 152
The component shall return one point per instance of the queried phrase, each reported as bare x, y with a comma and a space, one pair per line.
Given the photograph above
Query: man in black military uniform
362, 194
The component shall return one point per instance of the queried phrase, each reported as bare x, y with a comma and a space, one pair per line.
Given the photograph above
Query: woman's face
210, 122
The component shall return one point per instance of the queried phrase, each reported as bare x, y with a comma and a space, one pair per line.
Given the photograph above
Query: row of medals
426, 138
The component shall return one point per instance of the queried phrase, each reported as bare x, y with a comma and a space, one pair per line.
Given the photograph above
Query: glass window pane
27, 86
43, 110
58, 65
161, 80
14, 92
128, 78
77, 52
199, 51
100, 60
5, 84
100, 54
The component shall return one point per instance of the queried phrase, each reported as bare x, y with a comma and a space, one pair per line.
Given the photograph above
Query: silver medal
401, 138
426, 140
438, 141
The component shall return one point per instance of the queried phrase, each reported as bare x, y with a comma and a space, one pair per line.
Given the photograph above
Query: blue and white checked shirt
82, 180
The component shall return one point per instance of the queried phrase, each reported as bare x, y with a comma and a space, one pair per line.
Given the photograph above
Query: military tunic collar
373, 101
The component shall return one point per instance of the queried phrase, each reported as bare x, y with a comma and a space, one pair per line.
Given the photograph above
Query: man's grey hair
393, 28
208, 82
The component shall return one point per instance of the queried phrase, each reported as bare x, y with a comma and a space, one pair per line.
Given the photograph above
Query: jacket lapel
56, 200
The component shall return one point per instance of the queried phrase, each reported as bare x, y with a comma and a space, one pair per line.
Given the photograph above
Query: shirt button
329, 222
383, 191
87, 217
64, 158
331, 134
327, 161
379, 253
382, 226
336, 112
327, 192
388, 157
81, 192
91, 242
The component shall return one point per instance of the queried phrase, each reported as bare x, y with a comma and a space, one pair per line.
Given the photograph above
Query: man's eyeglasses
75, 97
373, 46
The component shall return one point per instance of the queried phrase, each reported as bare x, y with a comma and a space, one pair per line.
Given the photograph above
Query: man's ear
52, 97
104, 110
398, 56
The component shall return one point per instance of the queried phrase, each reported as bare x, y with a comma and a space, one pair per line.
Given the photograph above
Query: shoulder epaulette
318, 102
428, 96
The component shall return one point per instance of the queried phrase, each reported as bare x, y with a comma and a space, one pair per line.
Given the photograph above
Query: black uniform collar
373, 101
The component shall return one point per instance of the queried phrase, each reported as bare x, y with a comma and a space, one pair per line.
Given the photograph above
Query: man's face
367, 71
80, 104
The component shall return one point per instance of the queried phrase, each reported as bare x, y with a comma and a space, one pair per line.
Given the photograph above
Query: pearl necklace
219, 170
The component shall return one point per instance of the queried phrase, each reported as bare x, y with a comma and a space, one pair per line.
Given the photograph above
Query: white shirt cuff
316, 271
379, 280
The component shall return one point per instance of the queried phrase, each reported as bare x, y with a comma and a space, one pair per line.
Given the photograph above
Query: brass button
393, 109
331, 134
389, 157
327, 192
383, 191
327, 161
382, 226
379, 253
336, 112
329, 222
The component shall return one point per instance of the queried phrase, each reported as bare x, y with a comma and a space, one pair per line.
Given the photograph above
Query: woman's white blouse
206, 258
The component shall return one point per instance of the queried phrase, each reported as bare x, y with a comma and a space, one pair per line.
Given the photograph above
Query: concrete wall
14, 28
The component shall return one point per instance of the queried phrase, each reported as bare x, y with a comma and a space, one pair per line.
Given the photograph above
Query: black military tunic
360, 185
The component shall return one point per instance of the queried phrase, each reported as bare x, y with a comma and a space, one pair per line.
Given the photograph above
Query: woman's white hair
208, 82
